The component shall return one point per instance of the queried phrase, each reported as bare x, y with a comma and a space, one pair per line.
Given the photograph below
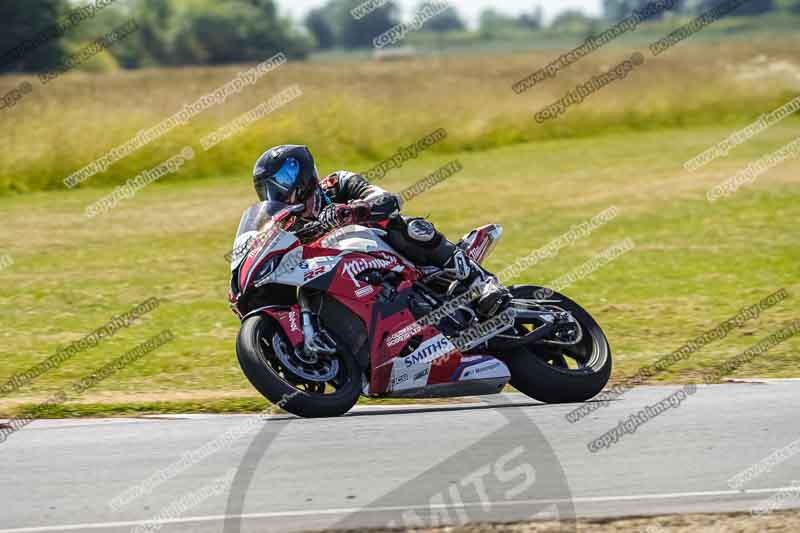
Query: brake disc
323, 370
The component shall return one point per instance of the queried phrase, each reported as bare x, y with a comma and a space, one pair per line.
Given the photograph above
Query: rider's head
288, 174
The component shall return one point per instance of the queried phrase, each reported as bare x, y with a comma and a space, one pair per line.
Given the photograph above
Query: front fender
288, 317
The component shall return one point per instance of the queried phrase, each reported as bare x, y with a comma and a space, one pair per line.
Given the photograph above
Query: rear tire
252, 355
534, 376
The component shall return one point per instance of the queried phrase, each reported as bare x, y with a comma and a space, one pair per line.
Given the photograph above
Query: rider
288, 174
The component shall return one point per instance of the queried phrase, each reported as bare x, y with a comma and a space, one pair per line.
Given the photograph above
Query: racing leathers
350, 199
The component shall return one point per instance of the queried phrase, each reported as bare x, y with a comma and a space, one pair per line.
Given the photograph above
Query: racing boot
493, 297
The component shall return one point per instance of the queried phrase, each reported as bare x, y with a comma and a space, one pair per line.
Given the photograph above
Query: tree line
37, 35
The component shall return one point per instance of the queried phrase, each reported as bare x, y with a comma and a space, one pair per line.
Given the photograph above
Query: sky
469, 9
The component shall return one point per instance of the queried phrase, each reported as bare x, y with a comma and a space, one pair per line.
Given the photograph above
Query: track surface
370, 467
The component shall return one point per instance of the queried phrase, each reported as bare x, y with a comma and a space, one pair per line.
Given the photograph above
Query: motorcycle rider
288, 174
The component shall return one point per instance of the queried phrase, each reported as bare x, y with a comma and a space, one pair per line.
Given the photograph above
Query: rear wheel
559, 370
327, 387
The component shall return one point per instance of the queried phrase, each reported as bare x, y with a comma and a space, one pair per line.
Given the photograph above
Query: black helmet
285, 174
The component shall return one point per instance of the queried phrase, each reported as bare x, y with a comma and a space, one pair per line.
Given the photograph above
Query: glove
337, 215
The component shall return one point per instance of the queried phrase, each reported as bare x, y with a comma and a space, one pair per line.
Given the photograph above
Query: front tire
542, 371
285, 390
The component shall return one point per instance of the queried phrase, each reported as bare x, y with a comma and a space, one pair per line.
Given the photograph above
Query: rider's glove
337, 215
361, 211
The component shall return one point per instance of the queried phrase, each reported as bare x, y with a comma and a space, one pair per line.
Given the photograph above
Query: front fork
316, 341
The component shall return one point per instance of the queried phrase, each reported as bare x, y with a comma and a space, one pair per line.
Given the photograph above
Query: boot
494, 297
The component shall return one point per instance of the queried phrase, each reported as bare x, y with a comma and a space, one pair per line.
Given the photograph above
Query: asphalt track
393, 465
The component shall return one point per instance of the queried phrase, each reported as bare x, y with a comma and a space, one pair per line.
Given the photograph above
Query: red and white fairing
333, 265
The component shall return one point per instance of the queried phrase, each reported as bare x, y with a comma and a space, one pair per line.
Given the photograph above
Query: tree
572, 21
533, 20
615, 10
755, 7
319, 24
358, 33
154, 18
236, 31
493, 23
23, 29
750, 8
448, 20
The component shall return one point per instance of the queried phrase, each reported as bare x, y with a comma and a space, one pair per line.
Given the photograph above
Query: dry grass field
694, 264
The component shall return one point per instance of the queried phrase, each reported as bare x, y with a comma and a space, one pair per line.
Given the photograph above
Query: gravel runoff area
776, 522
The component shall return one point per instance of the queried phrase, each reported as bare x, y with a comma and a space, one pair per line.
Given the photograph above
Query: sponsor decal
399, 379
311, 274
485, 370
261, 241
357, 266
365, 291
476, 253
422, 374
293, 321
480, 369
403, 335
429, 350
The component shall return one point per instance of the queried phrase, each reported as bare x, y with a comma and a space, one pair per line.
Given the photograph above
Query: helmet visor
280, 187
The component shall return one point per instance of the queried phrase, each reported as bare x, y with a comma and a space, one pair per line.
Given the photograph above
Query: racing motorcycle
326, 320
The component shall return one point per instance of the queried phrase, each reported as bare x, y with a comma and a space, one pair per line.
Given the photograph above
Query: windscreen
258, 216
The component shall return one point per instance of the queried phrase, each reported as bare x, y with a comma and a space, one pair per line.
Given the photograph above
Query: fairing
421, 363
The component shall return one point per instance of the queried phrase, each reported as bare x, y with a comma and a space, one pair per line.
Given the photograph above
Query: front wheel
324, 388
558, 370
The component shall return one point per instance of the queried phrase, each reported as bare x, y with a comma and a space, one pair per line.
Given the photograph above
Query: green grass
694, 265
355, 114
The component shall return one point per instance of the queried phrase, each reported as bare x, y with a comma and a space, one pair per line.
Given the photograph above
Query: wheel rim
327, 378
582, 357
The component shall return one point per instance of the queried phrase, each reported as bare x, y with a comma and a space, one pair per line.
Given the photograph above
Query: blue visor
286, 177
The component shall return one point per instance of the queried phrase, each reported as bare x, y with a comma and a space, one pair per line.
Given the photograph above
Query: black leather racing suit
415, 238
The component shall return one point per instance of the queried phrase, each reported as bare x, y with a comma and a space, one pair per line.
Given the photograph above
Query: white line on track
346, 511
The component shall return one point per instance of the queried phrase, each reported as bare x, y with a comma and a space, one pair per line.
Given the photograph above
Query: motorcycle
328, 319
